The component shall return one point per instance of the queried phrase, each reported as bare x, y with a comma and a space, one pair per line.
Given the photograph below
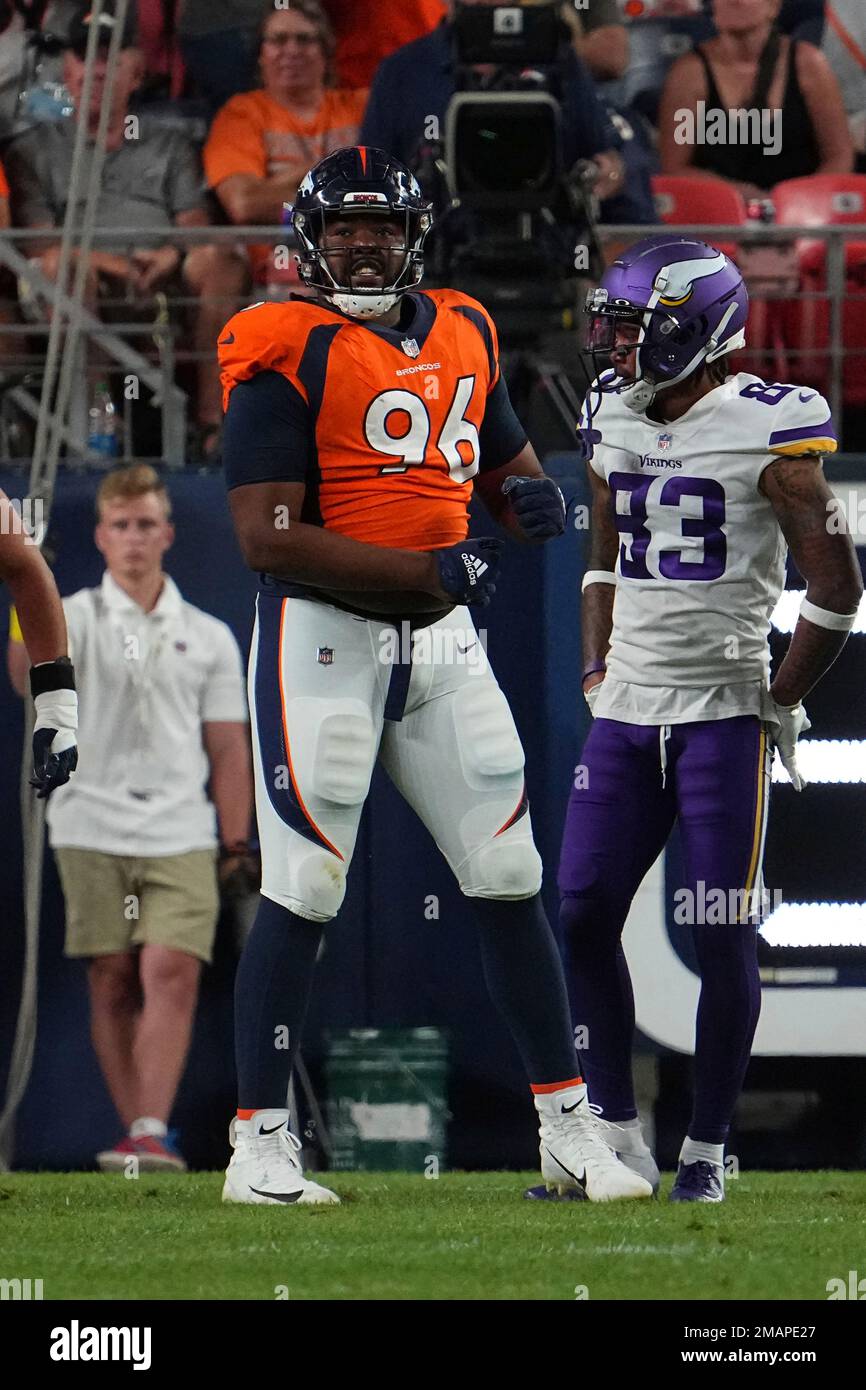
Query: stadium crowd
235, 100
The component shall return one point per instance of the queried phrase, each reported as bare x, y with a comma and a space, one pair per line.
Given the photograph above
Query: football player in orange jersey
357, 423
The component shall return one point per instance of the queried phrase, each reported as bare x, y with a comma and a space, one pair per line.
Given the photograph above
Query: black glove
538, 505
55, 752
467, 572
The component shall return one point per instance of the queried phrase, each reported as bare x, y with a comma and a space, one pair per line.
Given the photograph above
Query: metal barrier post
836, 290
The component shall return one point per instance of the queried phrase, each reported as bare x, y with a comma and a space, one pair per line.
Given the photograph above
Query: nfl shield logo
665, 440
410, 347
325, 656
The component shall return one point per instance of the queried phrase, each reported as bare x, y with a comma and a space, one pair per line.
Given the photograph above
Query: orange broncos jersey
386, 426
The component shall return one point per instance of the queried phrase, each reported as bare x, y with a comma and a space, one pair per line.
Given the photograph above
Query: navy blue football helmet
359, 179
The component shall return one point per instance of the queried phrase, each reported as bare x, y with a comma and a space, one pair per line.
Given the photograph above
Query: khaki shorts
115, 902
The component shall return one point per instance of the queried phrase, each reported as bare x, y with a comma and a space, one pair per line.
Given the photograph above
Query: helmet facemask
667, 349
318, 274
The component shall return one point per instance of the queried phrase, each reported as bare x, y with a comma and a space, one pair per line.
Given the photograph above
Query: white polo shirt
147, 682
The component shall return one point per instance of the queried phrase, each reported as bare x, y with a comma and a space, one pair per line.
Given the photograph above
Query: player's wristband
236, 850
822, 617
597, 577
598, 669
52, 675
15, 633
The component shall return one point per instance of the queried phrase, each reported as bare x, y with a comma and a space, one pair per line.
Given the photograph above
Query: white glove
591, 696
55, 751
58, 710
784, 725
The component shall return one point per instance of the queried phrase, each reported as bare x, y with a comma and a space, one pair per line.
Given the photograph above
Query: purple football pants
712, 777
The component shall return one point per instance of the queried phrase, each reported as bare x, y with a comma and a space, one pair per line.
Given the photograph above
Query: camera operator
412, 89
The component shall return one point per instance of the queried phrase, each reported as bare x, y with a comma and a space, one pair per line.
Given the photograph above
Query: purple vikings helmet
688, 301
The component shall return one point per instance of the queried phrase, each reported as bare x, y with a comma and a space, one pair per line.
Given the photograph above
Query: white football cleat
265, 1168
631, 1148
574, 1154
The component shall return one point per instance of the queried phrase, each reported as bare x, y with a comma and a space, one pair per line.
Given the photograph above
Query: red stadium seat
826, 200
694, 202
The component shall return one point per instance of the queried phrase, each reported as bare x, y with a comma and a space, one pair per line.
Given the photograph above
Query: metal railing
116, 339
750, 237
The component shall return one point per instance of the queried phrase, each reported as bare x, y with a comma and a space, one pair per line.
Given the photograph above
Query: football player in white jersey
701, 481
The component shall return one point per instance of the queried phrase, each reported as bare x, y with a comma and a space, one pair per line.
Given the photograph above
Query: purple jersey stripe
824, 431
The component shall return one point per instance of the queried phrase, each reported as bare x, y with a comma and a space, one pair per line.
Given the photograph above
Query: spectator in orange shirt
262, 143
368, 33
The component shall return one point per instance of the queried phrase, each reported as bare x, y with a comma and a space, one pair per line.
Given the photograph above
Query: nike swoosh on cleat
278, 1196
281, 1125
567, 1109
581, 1182
227, 341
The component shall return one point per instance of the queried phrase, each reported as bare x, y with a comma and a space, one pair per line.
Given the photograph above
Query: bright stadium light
816, 924
784, 616
827, 760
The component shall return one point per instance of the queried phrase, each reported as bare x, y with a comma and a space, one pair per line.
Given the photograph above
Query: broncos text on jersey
386, 427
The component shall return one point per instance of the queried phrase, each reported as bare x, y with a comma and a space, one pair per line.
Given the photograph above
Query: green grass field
399, 1236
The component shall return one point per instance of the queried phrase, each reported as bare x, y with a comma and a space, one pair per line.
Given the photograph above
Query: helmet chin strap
641, 399
639, 396
364, 306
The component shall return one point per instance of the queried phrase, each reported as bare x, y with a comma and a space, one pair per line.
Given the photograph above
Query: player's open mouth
367, 272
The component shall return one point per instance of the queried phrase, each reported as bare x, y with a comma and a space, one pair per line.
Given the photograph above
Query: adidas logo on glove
474, 567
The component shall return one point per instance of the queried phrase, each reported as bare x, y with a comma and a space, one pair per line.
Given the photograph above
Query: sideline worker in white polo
163, 711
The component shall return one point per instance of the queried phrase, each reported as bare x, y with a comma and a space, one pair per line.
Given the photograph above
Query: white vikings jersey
702, 558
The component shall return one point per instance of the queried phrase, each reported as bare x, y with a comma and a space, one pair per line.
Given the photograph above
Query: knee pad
343, 753
487, 739
505, 867
316, 885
